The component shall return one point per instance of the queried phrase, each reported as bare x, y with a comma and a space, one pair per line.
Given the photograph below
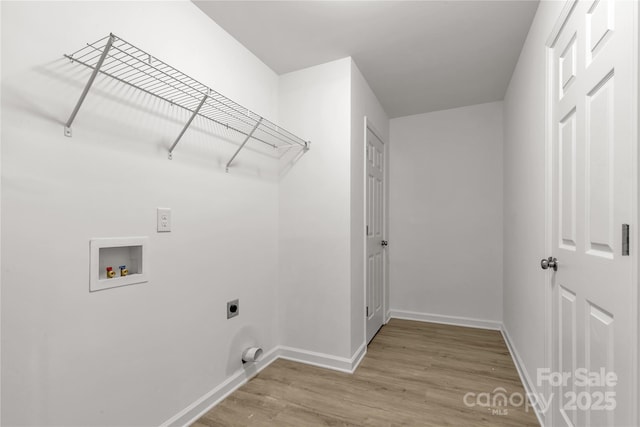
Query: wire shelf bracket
186, 126
116, 58
242, 145
96, 69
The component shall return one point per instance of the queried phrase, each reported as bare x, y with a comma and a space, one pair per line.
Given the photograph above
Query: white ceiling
418, 56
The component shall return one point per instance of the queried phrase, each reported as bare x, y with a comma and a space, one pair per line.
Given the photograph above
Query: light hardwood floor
414, 374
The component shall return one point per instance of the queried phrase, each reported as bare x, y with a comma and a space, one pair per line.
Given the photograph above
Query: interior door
375, 261
593, 300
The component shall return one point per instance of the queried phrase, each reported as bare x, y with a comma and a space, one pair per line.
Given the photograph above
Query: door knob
384, 243
550, 262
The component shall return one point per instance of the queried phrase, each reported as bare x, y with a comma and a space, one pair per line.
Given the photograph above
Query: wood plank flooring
414, 374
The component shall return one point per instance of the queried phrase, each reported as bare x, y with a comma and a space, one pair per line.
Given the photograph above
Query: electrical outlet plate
164, 220
233, 308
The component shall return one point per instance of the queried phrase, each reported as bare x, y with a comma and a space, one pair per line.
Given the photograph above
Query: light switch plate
164, 220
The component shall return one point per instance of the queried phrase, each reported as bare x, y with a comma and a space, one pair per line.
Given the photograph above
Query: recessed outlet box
233, 308
126, 257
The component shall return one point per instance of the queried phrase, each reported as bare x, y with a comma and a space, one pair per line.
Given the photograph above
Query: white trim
0, 222
560, 23
369, 126
358, 356
525, 379
635, 246
635, 273
323, 360
446, 320
548, 196
204, 404
364, 213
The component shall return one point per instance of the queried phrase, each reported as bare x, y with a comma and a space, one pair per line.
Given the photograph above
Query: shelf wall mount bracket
186, 126
96, 70
243, 144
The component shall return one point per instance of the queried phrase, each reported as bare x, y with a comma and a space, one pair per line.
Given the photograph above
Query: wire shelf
126, 63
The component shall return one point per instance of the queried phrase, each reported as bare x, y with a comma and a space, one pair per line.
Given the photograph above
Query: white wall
314, 216
322, 209
286, 240
134, 355
363, 104
524, 135
445, 221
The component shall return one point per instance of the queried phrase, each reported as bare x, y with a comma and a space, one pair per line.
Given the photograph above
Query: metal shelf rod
234, 112
218, 122
243, 143
186, 126
67, 126
169, 101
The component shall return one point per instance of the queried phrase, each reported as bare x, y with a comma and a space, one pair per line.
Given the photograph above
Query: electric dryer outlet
233, 308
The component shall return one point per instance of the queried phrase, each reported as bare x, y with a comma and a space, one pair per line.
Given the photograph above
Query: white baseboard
358, 356
525, 378
324, 360
205, 403
447, 320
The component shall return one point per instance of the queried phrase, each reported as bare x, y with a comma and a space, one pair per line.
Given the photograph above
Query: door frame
548, 196
635, 212
369, 126
634, 245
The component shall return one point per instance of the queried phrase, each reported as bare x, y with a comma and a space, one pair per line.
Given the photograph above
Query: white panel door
375, 262
592, 303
